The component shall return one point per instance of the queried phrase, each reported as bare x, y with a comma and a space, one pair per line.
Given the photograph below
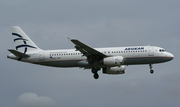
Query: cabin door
41, 56
150, 51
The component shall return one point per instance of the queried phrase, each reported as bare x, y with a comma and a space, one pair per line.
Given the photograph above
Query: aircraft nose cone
171, 56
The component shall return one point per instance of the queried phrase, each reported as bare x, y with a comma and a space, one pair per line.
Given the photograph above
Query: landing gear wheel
96, 76
151, 71
94, 70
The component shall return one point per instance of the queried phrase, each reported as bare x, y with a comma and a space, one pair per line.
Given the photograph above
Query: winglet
69, 39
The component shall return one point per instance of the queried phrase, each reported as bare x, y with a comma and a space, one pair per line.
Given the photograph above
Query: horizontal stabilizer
17, 53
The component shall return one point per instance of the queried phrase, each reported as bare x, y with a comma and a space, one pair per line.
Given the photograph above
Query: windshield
161, 50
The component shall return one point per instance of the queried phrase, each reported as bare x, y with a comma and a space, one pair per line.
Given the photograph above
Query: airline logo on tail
24, 41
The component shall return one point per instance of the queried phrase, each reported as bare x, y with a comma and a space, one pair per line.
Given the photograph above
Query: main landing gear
94, 71
151, 70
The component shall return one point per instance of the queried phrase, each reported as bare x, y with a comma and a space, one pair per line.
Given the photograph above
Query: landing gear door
41, 56
150, 51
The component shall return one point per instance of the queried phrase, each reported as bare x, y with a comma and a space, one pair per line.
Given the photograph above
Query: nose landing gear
151, 70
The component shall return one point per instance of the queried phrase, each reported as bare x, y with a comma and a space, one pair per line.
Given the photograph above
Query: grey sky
98, 23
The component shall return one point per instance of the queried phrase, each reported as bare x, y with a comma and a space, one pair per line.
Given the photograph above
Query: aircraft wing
90, 53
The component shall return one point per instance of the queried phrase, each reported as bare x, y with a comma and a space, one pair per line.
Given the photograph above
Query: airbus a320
112, 60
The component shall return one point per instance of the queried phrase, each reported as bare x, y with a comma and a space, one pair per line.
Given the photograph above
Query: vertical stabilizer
22, 42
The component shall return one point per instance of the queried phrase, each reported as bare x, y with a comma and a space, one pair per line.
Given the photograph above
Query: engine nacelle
114, 70
113, 61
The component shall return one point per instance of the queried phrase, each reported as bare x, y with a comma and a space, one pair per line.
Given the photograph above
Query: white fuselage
72, 58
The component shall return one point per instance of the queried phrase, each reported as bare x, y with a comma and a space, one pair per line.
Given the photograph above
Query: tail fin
22, 42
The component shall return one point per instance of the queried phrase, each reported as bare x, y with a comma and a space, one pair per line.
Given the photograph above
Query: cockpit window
161, 50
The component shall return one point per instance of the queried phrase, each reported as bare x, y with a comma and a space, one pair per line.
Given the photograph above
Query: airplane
112, 60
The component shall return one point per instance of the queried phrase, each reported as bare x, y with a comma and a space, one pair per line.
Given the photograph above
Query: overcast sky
97, 23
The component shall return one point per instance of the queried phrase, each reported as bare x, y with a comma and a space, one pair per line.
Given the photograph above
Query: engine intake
114, 70
113, 61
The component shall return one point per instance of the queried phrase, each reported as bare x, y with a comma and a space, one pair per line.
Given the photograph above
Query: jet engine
113, 61
114, 70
